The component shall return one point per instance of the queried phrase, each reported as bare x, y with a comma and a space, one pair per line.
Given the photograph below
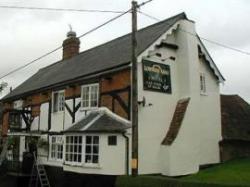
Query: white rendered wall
44, 114
80, 113
184, 152
67, 116
21, 147
57, 121
35, 124
187, 152
210, 119
154, 120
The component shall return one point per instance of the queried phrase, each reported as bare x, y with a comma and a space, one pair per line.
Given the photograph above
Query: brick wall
113, 85
110, 83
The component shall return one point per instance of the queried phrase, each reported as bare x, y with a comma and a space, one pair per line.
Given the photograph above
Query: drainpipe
127, 152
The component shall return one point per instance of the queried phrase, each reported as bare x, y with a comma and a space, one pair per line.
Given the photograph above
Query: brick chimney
71, 45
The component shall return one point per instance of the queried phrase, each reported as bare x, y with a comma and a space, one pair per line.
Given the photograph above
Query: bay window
92, 149
73, 149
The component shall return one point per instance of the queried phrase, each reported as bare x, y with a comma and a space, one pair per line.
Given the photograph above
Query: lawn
236, 172
232, 173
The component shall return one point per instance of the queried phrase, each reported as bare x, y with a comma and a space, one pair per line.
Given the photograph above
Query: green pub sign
156, 77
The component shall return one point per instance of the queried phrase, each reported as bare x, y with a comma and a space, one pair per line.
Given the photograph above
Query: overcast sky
26, 35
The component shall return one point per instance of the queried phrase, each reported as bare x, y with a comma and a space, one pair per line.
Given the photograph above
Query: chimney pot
71, 45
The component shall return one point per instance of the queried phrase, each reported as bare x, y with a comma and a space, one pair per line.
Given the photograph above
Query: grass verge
233, 173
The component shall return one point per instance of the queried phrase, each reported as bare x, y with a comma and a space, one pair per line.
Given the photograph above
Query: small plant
11, 142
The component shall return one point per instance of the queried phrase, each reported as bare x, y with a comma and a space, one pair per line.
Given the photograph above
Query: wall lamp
143, 102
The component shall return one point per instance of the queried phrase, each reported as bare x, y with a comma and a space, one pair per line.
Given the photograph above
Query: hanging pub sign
156, 77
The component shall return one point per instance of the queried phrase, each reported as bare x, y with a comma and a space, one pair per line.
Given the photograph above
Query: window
203, 83
15, 121
58, 101
74, 149
56, 149
92, 149
90, 96
112, 140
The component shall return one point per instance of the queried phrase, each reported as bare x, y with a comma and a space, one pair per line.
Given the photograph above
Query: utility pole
134, 92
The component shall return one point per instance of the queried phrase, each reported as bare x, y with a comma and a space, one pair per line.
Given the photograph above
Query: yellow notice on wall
134, 163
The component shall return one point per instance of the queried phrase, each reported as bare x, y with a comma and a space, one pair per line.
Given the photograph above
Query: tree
3, 85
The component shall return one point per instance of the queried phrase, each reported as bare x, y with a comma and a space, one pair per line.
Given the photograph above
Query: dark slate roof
106, 56
101, 120
235, 118
176, 122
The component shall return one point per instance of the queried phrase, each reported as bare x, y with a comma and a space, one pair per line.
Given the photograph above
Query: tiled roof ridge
140, 30
105, 110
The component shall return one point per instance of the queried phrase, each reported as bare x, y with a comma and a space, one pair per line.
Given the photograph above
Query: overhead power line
80, 36
202, 38
31, 62
68, 9
56, 49
143, 3
105, 23
59, 9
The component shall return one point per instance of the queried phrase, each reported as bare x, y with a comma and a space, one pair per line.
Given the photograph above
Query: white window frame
59, 108
77, 152
92, 154
203, 86
89, 86
58, 143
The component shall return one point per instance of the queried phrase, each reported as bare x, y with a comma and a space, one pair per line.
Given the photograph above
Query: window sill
73, 164
58, 113
83, 109
204, 94
95, 166
55, 160
83, 165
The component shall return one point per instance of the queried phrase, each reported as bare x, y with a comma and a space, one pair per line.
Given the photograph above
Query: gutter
127, 153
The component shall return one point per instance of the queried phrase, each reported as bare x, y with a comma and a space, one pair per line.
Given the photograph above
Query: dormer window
58, 101
203, 88
90, 96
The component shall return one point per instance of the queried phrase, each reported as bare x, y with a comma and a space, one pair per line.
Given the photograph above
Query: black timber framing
75, 109
26, 115
49, 114
28, 119
116, 97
